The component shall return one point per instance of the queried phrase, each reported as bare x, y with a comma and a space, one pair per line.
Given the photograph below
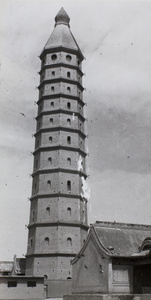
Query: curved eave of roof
80, 254
92, 234
62, 37
144, 253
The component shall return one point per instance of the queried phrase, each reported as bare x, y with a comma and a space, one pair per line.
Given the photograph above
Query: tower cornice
62, 111
62, 195
49, 148
59, 223
57, 170
60, 128
60, 48
60, 79
58, 65
60, 95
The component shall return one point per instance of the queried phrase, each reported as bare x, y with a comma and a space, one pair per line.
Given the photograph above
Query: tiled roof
120, 239
6, 267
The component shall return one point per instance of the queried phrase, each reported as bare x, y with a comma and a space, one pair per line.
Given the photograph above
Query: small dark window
50, 139
69, 278
12, 283
69, 211
68, 57
69, 161
46, 241
68, 105
31, 283
53, 73
35, 186
69, 121
69, 185
52, 104
68, 74
51, 120
50, 160
48, 210
54, 56
37, 144
49, 183
45, 276
69, 140
78, 62
69, 89
69, 241
52, 88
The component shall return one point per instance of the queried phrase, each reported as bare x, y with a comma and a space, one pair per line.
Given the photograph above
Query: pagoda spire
62, 18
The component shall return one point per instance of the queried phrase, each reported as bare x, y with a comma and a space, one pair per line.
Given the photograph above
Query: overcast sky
115, 38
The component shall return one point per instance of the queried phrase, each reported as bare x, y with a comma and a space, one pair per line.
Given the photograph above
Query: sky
115, 39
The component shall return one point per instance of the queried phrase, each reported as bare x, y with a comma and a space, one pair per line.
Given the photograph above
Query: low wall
21, 287
58, 288
107, 297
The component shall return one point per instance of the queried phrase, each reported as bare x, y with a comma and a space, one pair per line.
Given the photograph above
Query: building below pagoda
115, 261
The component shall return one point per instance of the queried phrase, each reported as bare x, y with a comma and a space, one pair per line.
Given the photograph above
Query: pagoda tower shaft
58, 211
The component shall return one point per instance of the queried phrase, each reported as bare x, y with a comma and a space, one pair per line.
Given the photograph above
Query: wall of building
90, 272
61, 103
57, 288
21, 288
122, 278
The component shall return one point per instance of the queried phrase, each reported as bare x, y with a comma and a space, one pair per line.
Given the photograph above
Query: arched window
52, 88
68, 105
53, 73
68, 185
69, 89
68, 139
68, 57
46, 241
52, 104
49, 183
51, 120
48, 210
69, 242
50, 139
68, 74
69, 161
69, 121
50, 160
69, 211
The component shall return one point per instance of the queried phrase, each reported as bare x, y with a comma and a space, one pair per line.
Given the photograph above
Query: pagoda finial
62, 18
